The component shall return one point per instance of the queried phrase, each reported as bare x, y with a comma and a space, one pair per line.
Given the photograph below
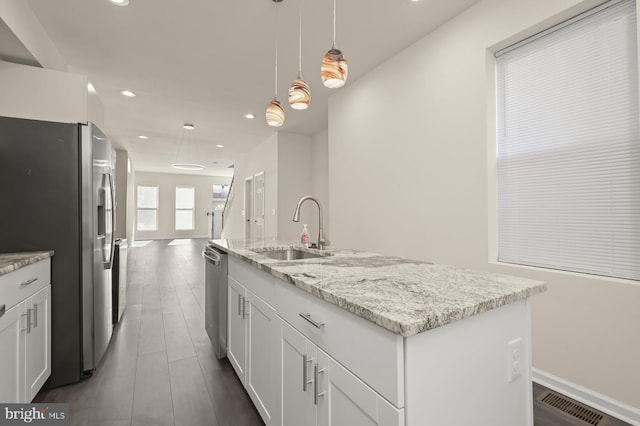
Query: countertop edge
10, 262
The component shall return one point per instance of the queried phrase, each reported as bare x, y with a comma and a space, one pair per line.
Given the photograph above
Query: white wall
410, 164
166, 183
263, 158
294, 165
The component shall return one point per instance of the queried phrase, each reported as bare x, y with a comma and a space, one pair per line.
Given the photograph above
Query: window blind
568, 148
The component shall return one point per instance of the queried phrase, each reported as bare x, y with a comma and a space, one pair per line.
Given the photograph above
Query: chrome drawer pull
28, 315
316, 394
27, 282
240, 303
307, 317
35, 315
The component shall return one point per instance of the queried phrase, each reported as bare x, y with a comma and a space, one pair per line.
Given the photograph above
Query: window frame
155, 209
183, 209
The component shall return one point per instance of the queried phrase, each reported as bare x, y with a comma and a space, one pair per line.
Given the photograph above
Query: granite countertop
404, 296
9, 262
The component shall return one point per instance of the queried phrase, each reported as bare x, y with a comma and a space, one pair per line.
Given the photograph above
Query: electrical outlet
514, 359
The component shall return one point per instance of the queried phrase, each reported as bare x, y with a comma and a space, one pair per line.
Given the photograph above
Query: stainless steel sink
289, 254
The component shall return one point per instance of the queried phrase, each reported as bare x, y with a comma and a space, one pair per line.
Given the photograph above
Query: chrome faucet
296, 218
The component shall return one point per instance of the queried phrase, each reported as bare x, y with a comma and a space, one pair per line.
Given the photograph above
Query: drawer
18, 285
373, 354
258, 282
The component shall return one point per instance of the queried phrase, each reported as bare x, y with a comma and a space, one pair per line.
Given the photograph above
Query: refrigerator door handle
109, 230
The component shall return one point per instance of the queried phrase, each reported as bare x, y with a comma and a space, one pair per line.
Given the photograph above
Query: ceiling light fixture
275, 113
143, 137
187, 127
299, 91
219, 146
120, 2
128, 93
188, 166
334, 65
249, 116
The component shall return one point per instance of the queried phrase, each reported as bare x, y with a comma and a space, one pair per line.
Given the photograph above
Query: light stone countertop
9, 262
404, 296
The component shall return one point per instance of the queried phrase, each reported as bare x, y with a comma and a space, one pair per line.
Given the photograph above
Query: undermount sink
289, 254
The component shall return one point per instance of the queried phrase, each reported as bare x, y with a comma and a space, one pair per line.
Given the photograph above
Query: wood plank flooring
160, 368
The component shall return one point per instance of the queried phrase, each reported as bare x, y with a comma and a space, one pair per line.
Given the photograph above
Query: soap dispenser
304, 237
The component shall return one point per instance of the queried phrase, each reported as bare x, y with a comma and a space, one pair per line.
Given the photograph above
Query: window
147, 208
185, 196
568, 154
220, 191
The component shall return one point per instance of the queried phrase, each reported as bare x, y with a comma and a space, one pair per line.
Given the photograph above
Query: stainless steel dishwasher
215, 298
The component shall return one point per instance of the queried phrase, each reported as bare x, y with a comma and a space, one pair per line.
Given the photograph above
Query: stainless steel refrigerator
57, 193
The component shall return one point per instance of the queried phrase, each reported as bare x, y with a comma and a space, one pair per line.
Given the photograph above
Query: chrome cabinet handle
28, 315
240, 304
27, 282
307, 317
316, 394
208, 256
35, 315
245, 314
305, 381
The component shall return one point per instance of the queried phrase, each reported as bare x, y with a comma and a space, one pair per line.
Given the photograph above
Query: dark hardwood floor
160, 368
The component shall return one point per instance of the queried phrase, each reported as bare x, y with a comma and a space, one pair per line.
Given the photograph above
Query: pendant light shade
299, 94
334, 68
299, 91
275, 114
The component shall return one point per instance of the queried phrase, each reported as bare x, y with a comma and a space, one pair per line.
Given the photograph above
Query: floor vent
572, 408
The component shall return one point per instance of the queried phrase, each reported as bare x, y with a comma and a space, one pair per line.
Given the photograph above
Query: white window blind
568, 155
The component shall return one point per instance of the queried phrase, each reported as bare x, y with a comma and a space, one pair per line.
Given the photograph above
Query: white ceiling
209, 62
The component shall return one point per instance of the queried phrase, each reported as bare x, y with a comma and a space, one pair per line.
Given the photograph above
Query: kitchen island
351, 337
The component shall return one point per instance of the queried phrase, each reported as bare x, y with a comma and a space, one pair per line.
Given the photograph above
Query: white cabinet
25, 332
12, 340
38, 342
252, 348
318, 391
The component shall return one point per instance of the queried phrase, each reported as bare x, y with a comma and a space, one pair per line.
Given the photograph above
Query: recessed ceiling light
143, 137
128, 93
90, 88
187, 166
219, 146
120, 2
249, 116
188, 126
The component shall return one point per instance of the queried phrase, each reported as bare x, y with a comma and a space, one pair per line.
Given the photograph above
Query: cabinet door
262, 357
12, 348
346, 400
298, 357
237, 334
38, 342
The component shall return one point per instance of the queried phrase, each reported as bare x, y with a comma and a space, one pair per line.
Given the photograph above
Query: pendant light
275, 113
299, 91
334, 65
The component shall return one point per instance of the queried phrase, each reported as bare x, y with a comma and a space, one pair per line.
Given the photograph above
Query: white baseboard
593, 399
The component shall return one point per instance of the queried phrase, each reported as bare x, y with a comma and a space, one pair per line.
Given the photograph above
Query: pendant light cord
300, 41
275, 96
334, 23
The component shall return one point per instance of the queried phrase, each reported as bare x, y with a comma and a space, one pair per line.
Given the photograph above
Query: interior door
258, 206
248, 208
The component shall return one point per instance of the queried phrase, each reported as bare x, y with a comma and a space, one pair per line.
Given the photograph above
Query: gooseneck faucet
296, 218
